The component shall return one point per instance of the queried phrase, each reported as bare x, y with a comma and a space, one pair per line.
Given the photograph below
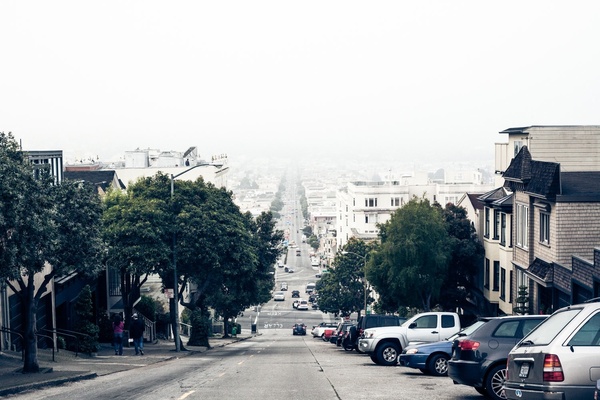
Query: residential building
556, 232
362, 205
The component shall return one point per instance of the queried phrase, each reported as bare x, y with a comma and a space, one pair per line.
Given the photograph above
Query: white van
310, 287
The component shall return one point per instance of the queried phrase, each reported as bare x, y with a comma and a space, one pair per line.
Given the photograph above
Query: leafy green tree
313, 242
412, 261
342, 290
46, 230
137, 231
249, 280
466, 255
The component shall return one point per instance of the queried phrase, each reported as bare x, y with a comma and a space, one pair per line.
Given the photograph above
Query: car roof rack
594, 300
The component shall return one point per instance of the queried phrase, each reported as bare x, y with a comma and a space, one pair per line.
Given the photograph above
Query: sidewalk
67, 367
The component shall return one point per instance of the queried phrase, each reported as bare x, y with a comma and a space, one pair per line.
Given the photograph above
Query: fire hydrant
234, 331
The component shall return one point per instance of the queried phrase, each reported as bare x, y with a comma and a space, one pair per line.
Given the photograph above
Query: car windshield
545, 332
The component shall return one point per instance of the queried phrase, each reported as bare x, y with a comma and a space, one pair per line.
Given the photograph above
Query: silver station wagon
560, 358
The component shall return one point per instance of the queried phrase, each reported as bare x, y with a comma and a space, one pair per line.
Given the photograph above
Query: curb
47, 383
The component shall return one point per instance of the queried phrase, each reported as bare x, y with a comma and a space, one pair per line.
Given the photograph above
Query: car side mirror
412, 326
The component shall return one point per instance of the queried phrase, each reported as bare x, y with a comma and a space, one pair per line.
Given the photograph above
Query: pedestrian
136, 331
118, 326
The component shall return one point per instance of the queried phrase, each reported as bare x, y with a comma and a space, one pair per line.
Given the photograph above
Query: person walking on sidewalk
118, 326
136, 331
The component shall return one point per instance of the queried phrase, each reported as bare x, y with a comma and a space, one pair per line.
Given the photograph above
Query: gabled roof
545, 179
541, 270
519, 169
474, 199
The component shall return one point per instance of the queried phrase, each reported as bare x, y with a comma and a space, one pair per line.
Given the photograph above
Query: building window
502, 283
522, 226
487, 223
366, 219
353, 202
503, 229
395, 201
486, 274
371, 202
518, 145
496, 224
544, 228
496, 286
510, 287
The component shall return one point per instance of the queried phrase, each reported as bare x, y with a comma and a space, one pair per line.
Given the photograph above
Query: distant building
362, 205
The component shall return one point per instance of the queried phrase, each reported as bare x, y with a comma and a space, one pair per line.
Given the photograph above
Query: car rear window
545, 332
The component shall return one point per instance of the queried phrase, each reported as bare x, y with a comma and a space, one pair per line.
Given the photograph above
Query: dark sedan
479, 359
299, 329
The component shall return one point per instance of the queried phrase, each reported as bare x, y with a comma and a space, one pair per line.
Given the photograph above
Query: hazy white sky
422, 80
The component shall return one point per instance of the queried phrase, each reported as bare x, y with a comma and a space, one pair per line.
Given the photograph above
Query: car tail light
553, 371
466, 345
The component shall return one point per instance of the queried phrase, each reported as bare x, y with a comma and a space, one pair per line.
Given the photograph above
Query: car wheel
494, 382
374, 358
438, 365
481, 391
387, 353
424, 370
323, 337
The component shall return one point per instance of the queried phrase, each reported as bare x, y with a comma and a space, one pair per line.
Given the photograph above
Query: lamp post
364, 274
175, 276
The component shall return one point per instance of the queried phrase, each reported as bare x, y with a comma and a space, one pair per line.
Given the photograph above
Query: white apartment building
363, 205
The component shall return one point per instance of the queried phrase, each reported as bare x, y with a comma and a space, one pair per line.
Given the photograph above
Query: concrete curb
47, 383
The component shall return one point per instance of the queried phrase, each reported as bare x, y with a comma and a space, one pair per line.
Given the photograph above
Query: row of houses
539, 220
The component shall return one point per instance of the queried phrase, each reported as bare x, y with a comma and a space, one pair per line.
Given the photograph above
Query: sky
413, 80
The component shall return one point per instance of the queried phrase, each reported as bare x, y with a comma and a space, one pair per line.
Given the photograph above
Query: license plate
524, 370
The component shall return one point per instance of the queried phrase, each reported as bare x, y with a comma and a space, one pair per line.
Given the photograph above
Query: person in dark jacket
136, 331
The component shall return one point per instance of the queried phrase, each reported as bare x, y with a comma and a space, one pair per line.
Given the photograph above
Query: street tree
342, 290
47, 229
413, 256
137, 231
466, 255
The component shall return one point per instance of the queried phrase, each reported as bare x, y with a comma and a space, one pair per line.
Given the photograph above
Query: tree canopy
46, 228
342, 290
411, 262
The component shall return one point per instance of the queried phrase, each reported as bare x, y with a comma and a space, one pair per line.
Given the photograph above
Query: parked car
432, 358
384, 344
299, 329
342, 327
559, 359
376, 320
318, 330
479, 359
328, 333
296, 293
279, 296
290, 270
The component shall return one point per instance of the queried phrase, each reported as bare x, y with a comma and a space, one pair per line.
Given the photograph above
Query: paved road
274, 365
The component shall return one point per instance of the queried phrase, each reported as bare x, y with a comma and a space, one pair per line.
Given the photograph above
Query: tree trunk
30, 364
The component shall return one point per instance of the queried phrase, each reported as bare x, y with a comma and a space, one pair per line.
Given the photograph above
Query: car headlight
412, 351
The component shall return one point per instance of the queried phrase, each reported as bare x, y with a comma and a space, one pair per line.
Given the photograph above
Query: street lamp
364, 273
175, 277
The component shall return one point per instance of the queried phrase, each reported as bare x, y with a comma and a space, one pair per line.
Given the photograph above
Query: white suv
559, 359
